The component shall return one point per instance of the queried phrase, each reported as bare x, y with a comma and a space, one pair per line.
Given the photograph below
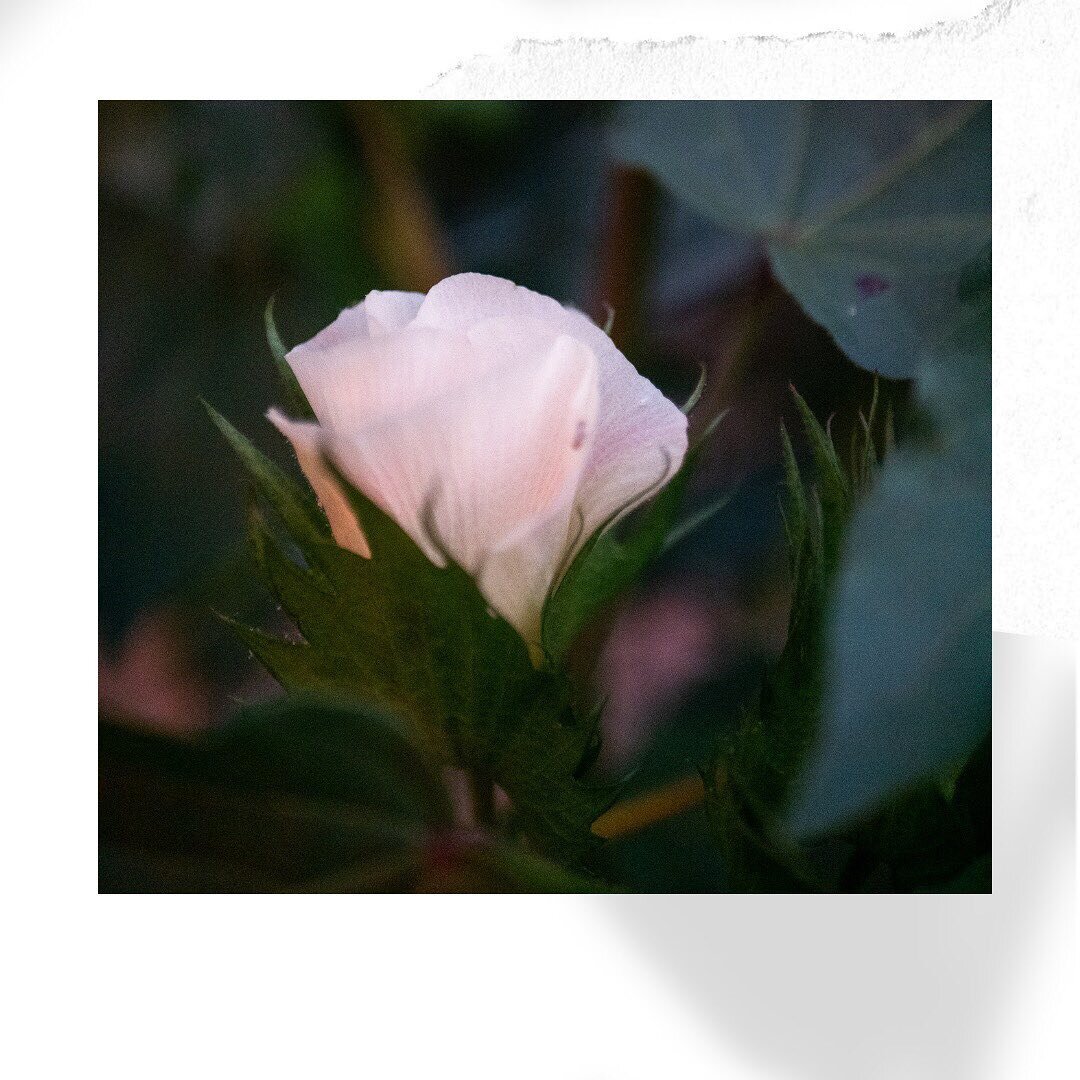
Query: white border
485, 987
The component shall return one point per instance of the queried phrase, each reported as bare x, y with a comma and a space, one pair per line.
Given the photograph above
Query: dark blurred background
208, 209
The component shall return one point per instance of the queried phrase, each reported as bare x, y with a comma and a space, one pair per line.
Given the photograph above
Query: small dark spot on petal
579, 435
870, 285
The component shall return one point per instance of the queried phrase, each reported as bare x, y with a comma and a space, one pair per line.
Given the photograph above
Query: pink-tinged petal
376, 316
463, 300
640, 443
350, 325
359, 382
640, 435
516, 577
307, 441
492, 465
390, 311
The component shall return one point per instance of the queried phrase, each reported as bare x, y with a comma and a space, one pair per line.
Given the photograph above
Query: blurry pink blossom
149, 679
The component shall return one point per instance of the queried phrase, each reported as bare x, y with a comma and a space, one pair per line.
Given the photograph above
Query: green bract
419, 641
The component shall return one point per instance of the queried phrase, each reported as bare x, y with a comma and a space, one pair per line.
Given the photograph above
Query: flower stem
635, 814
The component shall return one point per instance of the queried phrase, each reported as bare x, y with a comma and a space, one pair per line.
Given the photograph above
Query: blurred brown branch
409, 238
626, 240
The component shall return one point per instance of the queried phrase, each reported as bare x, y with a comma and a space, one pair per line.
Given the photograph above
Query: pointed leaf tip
294, 396
699, 389
294, 505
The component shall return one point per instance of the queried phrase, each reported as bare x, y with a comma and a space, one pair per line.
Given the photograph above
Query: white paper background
553, 987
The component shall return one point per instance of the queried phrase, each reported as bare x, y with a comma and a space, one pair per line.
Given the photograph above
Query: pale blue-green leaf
910, 634
867, 210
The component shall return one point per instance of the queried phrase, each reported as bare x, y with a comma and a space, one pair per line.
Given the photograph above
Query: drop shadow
857, 987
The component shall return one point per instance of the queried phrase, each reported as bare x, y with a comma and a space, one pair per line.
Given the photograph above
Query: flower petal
492, 466
361, 382
640, 442
639, 432
389, 311
517, 576
307, 441
378, 314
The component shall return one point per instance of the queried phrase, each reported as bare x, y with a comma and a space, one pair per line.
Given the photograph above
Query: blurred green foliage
303, 795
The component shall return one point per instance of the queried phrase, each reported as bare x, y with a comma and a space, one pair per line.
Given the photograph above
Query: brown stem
623, 258
411, 242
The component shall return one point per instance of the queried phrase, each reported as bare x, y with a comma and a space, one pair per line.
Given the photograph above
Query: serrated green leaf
505, 719
793, 505
832, 490
761, 757
299, 588
419, 640
829, 476
603, 569
295, 505
537, 761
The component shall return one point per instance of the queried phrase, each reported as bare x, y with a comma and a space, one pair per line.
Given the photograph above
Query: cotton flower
490, 422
